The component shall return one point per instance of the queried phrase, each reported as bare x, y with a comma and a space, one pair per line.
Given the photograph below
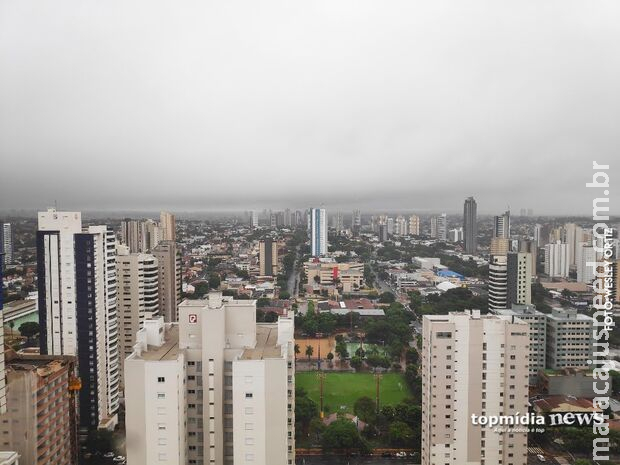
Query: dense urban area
280, 337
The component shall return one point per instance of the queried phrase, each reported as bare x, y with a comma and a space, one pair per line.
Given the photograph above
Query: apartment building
498, 282
156, 397
77, 294
138, 295
41, 421
473, 365
557, 260
168, 225
537, 323
238, 389
268, 257
519, 278
169, 262
570, 341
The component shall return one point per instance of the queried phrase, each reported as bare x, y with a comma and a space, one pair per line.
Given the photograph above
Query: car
541, 458
108, 455
119, 458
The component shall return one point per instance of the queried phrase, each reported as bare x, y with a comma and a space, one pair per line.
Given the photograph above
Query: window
161, 426
249, 426
161, 395
161, 379
249, 395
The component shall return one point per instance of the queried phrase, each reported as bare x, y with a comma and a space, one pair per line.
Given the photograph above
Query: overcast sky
207, 105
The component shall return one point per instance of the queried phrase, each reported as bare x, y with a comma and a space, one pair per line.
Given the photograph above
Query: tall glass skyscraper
318, 231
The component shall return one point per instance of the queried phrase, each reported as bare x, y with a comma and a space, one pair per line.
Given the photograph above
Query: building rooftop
8, 458
44, 365
169, 350
266, 344
564, 404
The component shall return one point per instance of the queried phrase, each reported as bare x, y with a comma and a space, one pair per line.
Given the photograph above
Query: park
341, 390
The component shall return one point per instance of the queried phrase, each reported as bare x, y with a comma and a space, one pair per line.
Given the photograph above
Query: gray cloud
209, 105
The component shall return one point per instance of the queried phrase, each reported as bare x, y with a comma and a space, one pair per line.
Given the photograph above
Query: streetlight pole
377, 390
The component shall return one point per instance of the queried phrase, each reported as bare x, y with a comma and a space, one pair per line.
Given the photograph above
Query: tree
305, 409
99, 441
297, 351
365, 408
309, 352
342, 434
341, 350
387, 298
412, 356
214, 281
400, 434
29, 329
356, 362
271, 317
330, 358
316, 428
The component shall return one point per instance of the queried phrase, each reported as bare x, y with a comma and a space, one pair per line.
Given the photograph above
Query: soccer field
341, 390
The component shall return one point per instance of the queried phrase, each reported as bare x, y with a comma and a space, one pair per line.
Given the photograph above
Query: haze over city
238, 105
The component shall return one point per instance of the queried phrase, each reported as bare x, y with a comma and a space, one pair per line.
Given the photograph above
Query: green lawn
341, 390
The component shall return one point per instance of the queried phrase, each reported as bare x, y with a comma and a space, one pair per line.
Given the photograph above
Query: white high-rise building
150, 235
138, 294
168, 225
570, 341
498, 282
6, 244
156, 398
556, 260
237, 396
401, 226
254, 219
456, 234
356, 221
439, 227
473, 365
318, 231
519, 278
585, 254
501, 225
537, 322
339, 222
77, 308
414, 225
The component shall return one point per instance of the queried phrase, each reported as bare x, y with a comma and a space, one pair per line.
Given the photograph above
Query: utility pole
377, 394
321, 379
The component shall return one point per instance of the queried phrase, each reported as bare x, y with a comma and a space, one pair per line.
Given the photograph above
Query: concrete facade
472, 364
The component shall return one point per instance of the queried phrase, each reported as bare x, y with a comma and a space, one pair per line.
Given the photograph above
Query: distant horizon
184, 214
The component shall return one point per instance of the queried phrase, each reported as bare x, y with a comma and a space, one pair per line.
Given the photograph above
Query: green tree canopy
342, 434
29, 329
365, 409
